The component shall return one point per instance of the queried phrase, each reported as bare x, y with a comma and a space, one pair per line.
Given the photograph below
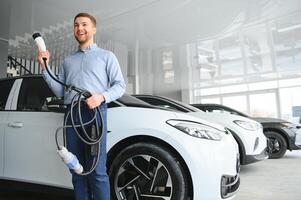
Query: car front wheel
276, 145
146, 171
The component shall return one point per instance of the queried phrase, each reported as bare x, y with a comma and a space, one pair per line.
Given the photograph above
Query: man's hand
95, 100
41, 55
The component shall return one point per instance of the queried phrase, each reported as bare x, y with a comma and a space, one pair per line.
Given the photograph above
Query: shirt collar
89, 48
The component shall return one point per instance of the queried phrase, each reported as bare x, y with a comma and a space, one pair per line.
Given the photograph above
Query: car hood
224, 119
200, 119
151, 116
268, 119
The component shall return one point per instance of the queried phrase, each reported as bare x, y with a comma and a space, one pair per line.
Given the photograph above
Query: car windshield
187, 106
167, 103
220, 109
236, 112
128, 100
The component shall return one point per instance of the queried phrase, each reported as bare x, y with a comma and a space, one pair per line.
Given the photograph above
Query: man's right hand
41, 55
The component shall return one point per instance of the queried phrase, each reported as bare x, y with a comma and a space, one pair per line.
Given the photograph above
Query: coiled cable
77, 101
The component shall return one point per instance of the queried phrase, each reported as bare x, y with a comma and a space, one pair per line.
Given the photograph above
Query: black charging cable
97, 128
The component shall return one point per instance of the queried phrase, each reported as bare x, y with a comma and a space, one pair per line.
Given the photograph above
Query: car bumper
297, 143
213, 165
253, 145
255, 158
295, 147
292, 137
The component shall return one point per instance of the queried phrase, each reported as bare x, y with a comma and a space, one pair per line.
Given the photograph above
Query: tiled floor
10, 195
273, 179
278, 179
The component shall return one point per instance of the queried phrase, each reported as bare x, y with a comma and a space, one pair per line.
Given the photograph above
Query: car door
30, 150
5, 88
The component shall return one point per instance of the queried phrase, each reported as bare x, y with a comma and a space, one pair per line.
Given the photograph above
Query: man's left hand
95, 100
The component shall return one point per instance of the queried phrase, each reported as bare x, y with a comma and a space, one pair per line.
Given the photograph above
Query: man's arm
57, 88
116, 80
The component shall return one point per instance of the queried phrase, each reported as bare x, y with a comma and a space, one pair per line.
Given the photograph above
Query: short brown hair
93, 20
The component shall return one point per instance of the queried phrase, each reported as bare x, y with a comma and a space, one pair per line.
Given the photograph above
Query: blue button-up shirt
93, 69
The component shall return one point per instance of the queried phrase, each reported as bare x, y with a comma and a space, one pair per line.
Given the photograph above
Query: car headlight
251, 126
293, 127
287, 124
197, 129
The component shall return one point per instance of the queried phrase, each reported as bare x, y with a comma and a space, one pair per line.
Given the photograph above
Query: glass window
263, 105
290, 82
287, 42
216, 110
209, 91
34, 95
230, 111
234, 88
236, 102
211, 100
206, 59
5, 87
230, 56
263, 85
132, 101
221, 109
290, 99
168, 69
162, 103
257, 49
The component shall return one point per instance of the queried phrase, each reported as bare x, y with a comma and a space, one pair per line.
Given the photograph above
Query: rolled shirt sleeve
56, 88
116, 81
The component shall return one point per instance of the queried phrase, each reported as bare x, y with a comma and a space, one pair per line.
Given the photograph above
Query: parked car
281, 134
298, 138
152, 153
248, 133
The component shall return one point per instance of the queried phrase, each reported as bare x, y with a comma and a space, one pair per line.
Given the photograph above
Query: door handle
15, 124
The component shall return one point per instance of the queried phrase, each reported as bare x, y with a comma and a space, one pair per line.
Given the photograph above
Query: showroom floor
278, 179
267, 180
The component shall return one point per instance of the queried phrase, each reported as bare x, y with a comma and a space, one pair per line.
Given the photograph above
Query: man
97, 71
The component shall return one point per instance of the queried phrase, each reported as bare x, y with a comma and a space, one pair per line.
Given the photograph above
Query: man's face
84, 30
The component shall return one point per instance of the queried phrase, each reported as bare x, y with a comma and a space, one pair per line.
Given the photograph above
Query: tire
147, 171
276, 144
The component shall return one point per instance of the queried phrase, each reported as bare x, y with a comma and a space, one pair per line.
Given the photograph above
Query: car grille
229, 185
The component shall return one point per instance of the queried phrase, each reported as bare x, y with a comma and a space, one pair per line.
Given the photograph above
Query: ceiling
148, 23
151, 23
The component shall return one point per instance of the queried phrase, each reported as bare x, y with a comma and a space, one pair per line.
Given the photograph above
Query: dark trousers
94, 186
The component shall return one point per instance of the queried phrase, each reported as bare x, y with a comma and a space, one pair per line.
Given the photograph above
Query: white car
152, 153
247, 132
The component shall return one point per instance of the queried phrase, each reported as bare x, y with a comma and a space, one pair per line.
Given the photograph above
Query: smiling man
97, 71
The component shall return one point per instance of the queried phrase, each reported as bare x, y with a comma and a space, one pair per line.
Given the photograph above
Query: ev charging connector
70, 160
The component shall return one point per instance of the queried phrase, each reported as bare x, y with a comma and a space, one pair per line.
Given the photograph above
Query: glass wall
258, 69
172, 48
238, 102
230, 55
290, 99
263, 105
257, 49
287, 43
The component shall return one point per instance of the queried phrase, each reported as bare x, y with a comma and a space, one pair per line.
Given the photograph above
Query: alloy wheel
274, 145
143, 177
